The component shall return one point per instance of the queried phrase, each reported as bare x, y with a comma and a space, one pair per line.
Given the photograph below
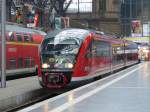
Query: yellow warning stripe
117, 45
23, 43
138, 38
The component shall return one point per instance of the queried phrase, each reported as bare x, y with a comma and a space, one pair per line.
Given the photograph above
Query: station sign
138, 39
136, 28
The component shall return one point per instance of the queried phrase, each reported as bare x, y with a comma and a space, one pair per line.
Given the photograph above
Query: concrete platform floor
125, 91
18, 91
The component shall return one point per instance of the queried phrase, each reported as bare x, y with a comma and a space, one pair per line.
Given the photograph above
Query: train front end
59, 52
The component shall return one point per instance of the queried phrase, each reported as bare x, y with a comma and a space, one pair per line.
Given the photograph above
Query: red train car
77, 54
22, 49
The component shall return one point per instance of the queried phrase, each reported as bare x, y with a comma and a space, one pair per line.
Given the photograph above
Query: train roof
72, 32
78, 30
15, 28
76, 33
82, 33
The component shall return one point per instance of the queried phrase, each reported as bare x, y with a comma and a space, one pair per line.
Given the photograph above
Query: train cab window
26, 38
11, 36
12, 63
19, 37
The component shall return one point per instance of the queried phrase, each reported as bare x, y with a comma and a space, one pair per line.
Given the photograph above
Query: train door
131, 51
27, 47
104, 54
11, 51
118, 56
30, 57
89, 58
19, 56
93, 59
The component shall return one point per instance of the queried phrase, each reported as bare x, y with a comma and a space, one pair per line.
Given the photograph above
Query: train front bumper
55, 78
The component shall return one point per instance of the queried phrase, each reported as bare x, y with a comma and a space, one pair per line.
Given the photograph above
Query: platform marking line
96, 90
75, 90
131, 87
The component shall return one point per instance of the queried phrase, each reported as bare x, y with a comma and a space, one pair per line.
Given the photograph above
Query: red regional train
76, 54
22, 49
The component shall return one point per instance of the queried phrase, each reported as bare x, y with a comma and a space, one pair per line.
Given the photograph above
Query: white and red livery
77, 54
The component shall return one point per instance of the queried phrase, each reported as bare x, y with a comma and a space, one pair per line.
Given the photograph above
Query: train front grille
56, 79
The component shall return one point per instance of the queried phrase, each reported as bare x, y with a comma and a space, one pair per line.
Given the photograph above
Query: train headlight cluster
45, 65
68, 65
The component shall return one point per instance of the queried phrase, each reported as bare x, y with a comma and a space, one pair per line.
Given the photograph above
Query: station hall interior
74, 55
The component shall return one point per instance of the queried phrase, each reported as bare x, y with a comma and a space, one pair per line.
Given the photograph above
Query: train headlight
45, 65
68, 65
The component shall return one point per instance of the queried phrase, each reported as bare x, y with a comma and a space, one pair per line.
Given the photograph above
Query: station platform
124, 91
18, 91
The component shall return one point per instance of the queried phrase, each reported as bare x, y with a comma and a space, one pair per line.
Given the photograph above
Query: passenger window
12, 63
102, 48
19, 37
27, 62
11, 36
20, 62
26, 38
118, 55
32, 62
98, 49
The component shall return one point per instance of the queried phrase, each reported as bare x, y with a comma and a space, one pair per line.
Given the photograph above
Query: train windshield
62, 48
65, 42
67, 46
